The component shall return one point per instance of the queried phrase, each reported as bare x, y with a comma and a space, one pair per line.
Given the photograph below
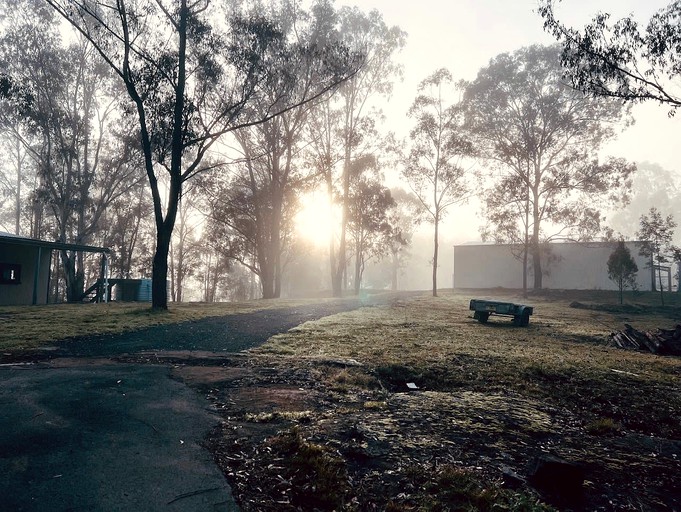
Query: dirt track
91, 425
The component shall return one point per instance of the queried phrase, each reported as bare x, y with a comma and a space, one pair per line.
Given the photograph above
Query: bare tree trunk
358, 272
536, 266
179, 269
342, 246
436, 247
394, 270
526, 244
173, 293
525, 270
536, 249
17, 204
659, 275
277, 276
333, 261
74, 278
214, 282
159, 290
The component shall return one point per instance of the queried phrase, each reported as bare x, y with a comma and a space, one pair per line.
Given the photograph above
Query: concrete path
79, 431
105, 437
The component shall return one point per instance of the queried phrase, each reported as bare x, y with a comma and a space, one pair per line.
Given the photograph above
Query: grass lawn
563, 355
493, 396
29, 327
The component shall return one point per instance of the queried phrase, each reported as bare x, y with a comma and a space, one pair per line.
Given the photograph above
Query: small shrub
458, 489
344, 380
269, 417
603, 426
374, 405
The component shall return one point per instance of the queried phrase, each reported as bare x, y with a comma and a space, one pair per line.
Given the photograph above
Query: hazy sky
463, 35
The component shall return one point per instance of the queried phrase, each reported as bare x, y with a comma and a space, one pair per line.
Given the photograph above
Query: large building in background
567, 266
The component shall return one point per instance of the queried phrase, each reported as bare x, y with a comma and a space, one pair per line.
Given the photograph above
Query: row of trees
152, 113
181, 79
626, 62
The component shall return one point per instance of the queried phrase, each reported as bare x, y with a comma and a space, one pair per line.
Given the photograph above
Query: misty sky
463, 35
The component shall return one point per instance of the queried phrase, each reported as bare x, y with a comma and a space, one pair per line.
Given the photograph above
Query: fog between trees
188, 139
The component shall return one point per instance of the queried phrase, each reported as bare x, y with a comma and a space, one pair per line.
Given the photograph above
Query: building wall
26, 256
572, 267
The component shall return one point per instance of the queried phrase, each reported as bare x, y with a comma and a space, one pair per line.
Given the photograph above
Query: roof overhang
31, 242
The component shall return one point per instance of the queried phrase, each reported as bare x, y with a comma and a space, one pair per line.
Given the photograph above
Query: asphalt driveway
105, 437
81, 430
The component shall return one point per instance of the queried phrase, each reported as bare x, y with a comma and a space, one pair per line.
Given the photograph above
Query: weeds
271, 417
458, 489
346, 380
317, 478
444, 349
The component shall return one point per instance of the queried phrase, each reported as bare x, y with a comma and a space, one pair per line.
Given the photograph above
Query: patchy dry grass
322, 414
560, 342
562, 355
27, 327
495, 395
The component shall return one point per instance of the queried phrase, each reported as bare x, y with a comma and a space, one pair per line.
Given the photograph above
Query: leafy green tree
434, 167
622, 268
542, 138
655, 234
621, 59
273, 171
190, 78
67, 132
127, 229
404, 218
653, 185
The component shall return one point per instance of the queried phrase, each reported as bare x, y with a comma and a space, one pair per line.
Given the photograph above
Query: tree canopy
622, 268
622, 59
541, 141
191, 71
434, 167
655, 235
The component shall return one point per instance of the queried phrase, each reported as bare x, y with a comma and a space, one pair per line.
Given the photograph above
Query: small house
25, 268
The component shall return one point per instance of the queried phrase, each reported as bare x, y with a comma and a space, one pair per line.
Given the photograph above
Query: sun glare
314, 220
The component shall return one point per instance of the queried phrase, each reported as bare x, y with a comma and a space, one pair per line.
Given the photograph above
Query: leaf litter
303, 431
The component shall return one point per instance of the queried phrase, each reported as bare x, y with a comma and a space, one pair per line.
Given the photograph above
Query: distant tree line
185, 136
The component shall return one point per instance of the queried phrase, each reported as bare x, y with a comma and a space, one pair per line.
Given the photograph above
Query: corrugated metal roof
8, 238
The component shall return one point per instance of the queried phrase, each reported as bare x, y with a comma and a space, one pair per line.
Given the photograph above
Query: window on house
10, 273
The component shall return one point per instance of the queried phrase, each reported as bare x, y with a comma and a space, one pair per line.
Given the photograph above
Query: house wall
572, 267
26, 256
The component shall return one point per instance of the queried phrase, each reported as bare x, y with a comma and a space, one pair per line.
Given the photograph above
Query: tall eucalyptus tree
544, 138
434, 167
191, 72
66, 131
343, 130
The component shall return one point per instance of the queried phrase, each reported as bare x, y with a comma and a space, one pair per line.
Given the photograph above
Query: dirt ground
322, 417
409, 404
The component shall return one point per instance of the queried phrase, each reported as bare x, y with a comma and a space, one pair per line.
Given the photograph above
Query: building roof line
61, 246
